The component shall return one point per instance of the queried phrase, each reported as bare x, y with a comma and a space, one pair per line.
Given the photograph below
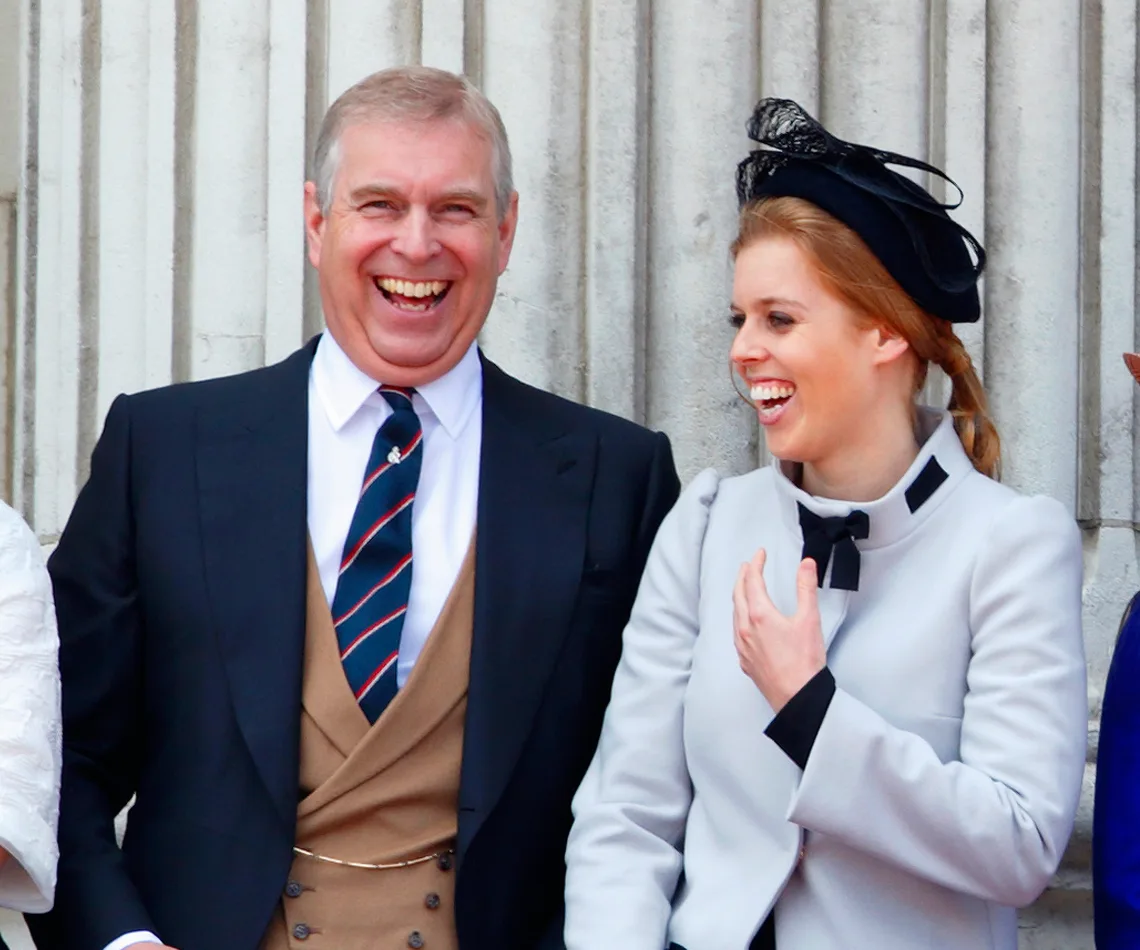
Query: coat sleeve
100, 630
1116, 817
29, 721
993, 825
622, 857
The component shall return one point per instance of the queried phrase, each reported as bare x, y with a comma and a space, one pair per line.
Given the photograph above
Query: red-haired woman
850, 710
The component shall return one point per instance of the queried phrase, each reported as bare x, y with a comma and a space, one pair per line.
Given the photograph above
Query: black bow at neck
838, 534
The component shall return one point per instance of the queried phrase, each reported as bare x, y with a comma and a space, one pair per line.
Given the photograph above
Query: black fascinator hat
934, 259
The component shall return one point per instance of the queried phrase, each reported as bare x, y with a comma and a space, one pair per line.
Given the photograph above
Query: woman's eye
779, 320
736, 320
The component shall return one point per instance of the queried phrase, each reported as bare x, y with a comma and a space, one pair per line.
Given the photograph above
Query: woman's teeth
766, 392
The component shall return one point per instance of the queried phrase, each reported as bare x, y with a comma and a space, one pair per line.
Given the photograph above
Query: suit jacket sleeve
1116, 818
995, 824
93, 576
622, 857
29, 720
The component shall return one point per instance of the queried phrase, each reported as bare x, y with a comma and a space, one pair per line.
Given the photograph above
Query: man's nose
416, 239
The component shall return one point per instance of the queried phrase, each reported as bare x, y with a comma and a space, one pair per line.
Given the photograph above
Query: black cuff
796, 725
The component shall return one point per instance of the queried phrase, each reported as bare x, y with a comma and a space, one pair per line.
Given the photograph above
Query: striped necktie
376, 568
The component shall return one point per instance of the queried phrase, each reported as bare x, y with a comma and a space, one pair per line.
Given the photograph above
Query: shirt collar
343, 388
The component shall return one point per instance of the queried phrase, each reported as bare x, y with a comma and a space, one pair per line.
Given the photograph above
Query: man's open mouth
415, 296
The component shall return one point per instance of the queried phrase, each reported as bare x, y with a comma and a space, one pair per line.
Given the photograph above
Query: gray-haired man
333, 743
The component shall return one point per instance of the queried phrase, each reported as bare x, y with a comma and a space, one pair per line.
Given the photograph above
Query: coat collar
891, 517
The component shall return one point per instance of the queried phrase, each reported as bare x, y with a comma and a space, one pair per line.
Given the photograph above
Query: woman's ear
888, 345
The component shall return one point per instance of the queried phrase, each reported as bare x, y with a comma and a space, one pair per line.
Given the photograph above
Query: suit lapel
252, 476
535, 481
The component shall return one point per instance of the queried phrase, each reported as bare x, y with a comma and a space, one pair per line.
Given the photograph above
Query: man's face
411, 248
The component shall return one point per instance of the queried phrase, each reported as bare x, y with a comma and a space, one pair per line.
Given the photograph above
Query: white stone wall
156, 232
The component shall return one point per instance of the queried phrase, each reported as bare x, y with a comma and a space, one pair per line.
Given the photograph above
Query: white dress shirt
29, 720
345, 411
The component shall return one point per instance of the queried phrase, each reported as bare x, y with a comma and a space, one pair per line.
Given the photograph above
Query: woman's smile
771, 398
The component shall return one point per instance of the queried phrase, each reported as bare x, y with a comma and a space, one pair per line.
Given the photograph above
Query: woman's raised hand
779, 654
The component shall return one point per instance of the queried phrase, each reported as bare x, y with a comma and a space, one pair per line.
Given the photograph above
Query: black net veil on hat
933, 258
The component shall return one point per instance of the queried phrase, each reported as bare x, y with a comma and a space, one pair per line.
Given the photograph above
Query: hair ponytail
969, 406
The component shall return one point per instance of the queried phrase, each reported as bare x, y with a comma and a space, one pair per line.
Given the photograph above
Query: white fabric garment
345, 411
29, 721
942, 786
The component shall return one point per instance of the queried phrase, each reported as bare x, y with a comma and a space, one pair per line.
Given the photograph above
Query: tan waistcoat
378, 795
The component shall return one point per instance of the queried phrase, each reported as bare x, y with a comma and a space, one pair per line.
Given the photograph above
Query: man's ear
508, 224
314, 223
889, 345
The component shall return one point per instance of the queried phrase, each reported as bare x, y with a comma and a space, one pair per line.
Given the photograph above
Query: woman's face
811, 366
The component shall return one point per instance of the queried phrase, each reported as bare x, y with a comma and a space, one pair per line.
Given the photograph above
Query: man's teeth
412, 288
764, 393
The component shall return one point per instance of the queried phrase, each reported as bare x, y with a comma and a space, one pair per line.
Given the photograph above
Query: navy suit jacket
1116, 814
180, 589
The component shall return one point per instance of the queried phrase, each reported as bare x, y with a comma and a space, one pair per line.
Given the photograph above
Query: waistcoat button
432, 902
415, 940
445, 862
293, 889
301, 931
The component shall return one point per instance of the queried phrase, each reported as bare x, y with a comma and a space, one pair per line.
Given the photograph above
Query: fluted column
53, 300
229, 143
1033, 190
534, 70
365, 37
704, 83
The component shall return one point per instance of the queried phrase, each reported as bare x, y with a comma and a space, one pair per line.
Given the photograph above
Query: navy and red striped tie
376, 569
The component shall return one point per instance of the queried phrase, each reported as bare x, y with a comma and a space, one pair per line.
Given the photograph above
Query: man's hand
779, 654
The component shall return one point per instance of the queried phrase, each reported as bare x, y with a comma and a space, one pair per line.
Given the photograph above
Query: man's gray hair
412, 94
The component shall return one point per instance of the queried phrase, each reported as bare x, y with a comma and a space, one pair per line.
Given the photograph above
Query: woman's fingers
739, 601
741, 626
807, 588
755, 590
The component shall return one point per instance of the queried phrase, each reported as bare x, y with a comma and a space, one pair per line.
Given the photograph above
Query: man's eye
465, 210
380, 204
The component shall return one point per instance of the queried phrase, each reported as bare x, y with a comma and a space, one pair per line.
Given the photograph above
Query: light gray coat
942, 787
